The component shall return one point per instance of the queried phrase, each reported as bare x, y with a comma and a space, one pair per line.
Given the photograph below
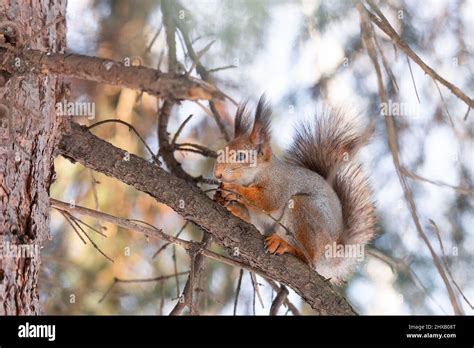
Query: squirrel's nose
217, 173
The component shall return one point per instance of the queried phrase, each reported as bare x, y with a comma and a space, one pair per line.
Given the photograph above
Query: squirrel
314, 202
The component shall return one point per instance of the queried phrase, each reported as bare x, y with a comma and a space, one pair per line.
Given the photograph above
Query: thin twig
199, 56
143, 280
446, 265
459, 189
94, 183
87, 225
222, 68
385, 64
467, 113
287, 302
164, 246
131, 128
413, 79
68, 219
75, 224
150, 232
90, 240
201, 70
385, 26
237, 291
180, 129
175, 268
444, 104
150, 45
197, 148
392, 142
256, 287
279, 300
206, 110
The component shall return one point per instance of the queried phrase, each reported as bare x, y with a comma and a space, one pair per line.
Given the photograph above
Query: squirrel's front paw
229, 191
227, 196
274, 244
238, 210
224, 195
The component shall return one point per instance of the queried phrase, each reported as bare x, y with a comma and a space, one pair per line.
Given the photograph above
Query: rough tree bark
29, 133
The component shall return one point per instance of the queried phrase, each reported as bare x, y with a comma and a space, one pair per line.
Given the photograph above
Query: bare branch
150, 45
166, 149
142, 280
197, 149
413, 79
237, 292
256, 287
75, 222
201, 70
279, 300
446, 265
385, 26
180, 129
155, 82
132, 128
69, 220
222, 68
461, 190
287, 302
149, 231
164, 246
196, 267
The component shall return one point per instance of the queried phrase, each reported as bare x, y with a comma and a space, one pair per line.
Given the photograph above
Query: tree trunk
29, 133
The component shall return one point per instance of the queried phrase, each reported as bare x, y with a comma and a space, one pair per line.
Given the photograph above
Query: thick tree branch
155, 82
242, 239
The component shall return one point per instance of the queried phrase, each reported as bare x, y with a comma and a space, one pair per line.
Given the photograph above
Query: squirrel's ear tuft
242, 121
261, 127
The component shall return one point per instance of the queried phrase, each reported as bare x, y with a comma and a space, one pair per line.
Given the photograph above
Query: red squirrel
315, 203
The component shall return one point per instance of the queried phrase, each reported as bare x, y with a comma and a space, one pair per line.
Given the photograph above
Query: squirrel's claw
274, 244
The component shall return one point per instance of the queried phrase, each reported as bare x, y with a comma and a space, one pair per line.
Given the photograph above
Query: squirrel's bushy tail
328, 147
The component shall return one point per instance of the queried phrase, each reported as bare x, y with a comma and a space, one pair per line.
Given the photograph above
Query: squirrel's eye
241, 156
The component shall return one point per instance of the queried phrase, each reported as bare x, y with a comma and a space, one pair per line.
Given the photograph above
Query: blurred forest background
304, 54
